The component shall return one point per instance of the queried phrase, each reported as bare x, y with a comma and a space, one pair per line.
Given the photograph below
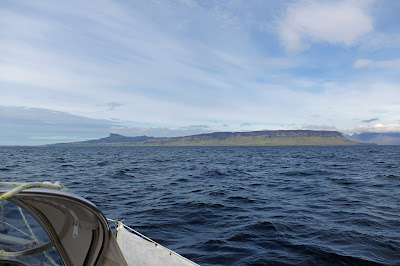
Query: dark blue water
238, 205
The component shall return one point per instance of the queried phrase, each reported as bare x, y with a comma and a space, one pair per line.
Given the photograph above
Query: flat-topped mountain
253, 138
267, 134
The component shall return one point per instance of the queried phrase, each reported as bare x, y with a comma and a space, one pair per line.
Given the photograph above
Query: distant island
376, 138
253, 138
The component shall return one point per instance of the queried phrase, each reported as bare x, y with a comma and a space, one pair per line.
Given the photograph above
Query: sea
286, 205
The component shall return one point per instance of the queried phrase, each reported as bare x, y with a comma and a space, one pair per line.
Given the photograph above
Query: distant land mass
376, 138
116, 138
253, 138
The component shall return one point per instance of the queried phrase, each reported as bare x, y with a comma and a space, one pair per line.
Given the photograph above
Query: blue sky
75, 70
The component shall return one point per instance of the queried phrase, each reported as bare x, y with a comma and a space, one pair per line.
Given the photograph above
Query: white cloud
393, 64
360, 63
190, 3
378, 128
318, 127
338, 23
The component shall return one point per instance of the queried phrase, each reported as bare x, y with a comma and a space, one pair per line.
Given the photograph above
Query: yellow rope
24, 186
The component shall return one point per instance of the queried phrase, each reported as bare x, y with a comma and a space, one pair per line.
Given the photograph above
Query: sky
77, 70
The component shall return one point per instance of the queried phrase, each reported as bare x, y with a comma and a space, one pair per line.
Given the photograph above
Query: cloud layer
192, 66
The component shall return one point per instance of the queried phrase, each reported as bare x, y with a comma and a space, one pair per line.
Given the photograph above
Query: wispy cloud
196, 127
318, 127
112, 105
370, 120
367, 63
